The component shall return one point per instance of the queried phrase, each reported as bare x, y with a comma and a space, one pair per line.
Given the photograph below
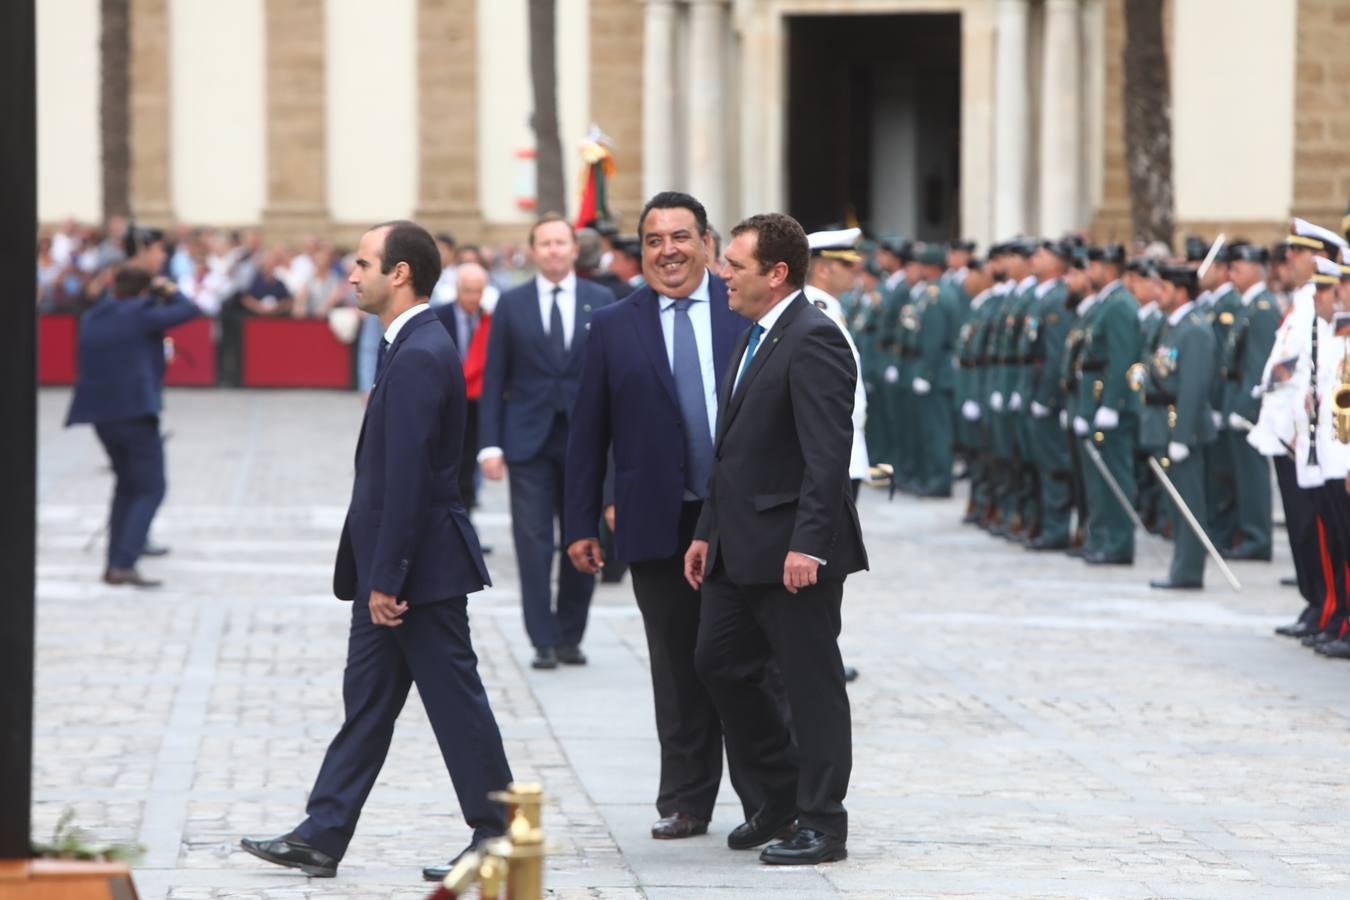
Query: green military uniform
971, 401
1021, 512
1177, 382
1149, 496
905, 433
878, 332
1221, 483
1244, 358
937, 310
1069, 377
1110, 347
1043, 343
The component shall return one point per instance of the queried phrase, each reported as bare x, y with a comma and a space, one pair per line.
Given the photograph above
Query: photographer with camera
118, 390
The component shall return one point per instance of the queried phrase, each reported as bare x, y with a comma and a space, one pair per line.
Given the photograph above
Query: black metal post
18, 419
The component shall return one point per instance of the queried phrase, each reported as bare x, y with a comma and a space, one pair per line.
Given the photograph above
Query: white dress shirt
700, 316
567, 304
767, 321
400, 320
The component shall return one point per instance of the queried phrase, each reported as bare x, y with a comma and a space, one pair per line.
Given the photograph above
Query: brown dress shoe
680, 825
131, 577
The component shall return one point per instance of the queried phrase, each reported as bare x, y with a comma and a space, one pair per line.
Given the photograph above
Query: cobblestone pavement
1023, 727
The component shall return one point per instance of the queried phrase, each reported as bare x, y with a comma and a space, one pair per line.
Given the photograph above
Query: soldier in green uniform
1022, 500
906, 434
938, 312
1244, 357
1220, 304
1107, 413
973, 423
1078, 300
1044, 333
881, 357
975, 408
960, 254
1142, 280
991, 392
1176, 382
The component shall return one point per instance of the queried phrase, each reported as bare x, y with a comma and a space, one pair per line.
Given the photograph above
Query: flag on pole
598, 169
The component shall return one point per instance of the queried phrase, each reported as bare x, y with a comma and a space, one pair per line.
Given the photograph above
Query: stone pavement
1023, 727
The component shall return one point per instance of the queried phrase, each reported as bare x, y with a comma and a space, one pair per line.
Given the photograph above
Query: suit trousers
468, 461
432, 648
744, 627
687, 725
1334, 509
536, 504
1301, 521
136, 452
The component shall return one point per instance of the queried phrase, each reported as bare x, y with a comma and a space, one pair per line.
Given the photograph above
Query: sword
1195, 525
1095, 455
1211, 255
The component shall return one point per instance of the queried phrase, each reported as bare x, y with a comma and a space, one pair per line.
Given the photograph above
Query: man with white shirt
777, 535
530, 383
648, 401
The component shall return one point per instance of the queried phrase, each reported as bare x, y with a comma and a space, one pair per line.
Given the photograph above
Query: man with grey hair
468, 324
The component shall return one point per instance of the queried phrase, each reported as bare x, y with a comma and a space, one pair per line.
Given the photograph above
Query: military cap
895, 245
872, 268
1108, 253
627, 244
1328, 272
1063, 249
837, 244
1303, 233
997, 250
1143, 267
1182, 275
1248, 253
964, 245
1022, 246
605, 228
1080, 257
1197, 248
930, 254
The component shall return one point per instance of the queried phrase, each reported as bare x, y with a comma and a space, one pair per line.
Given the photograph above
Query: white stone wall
70, 179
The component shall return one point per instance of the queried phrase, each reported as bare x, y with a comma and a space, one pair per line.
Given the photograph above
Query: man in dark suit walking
118, 391
407, 560
649, 392
533, 369
776, 537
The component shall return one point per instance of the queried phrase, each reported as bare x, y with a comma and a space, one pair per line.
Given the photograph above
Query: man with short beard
648, 398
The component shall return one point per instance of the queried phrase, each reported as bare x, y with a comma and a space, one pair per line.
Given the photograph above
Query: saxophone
1340, 402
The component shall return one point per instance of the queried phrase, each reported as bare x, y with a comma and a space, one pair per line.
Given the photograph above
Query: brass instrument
1340, 403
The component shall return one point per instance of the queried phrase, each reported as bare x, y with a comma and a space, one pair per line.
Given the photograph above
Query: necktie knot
682, 304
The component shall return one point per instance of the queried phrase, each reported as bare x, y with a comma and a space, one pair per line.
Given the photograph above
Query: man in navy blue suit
407, 560
118, 390
533, 368
649, 393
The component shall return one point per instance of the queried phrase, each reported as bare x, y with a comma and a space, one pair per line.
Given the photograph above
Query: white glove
970, 411
1080, 426
996, 401
921, 386
1039, 411
1256, 392
1064, 419
1236, 422
1219, 423
1177, 452
1106, 418
892, 374
1014, 402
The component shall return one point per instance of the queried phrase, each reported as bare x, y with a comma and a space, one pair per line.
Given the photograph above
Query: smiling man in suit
649, 393
407, 560
775, 539
533, 368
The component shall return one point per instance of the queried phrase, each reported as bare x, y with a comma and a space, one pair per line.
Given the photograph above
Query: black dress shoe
1079, 552
1337, 649
154, 550
1042, 544
129, 577
681, 825
761, 828
1289, 581
1100, 558
290, 851
438, 873
806, 847
1248, 553
570, 655
544, 658
1319, 637
1300, 628
1167, 584
850, 674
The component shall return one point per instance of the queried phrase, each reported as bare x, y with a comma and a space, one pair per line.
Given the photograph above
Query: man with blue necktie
649, 393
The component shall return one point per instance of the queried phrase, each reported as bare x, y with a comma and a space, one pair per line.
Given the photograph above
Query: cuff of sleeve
816, 558
489, 453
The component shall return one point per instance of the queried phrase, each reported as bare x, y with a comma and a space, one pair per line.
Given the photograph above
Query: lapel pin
586, 307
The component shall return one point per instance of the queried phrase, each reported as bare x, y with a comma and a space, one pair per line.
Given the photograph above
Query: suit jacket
475, 355
121, 357
524, 387
780, 459
407, 533
627, 402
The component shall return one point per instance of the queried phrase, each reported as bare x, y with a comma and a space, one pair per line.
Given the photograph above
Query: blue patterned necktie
756, 332
693, 403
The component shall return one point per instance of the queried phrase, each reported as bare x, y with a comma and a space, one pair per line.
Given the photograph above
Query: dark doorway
874, 123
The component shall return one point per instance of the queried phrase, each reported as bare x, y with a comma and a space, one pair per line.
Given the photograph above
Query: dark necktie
693, 403
379, 359
555, 329
756, 332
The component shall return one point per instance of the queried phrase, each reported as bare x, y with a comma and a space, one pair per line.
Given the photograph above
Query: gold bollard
490, 876
509, 867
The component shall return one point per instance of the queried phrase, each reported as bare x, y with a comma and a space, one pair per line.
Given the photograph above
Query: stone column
1061, 123
447, 115
151, 197
763, 120
297, 138
705, 155
1012, 120
658, 97
617, 70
